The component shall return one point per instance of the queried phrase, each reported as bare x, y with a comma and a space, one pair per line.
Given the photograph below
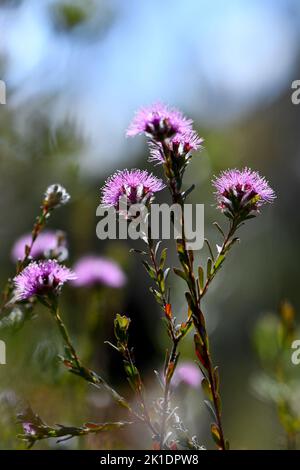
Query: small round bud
55, 196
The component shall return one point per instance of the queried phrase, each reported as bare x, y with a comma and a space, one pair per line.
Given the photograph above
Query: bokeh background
75, 73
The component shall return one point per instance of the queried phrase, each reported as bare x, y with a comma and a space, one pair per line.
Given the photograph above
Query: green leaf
166, 273
219, 262
163, 258
201, 278
157, 295
94, 427
157, 248
231, 243
185, 327
121, 325
219, 228
190, 301
209, 248
209, 268
215, 432
180, 273
135, 250
111, 345
188, 191
210, 409
149, 269
132, 375
216, 379
200, 350
207, 389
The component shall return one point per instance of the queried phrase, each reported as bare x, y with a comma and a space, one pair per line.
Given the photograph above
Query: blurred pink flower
47, 242
188, 373
94, 270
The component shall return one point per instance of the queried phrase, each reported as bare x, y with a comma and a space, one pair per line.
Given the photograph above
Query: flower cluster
41, 279
134, 186
240, 193
170, 134
159, 122
180, 146
171, 137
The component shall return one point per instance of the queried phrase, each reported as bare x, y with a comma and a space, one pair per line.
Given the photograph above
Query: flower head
55, 196
29, 428
95, 270
188, 373
158, 121
48, 244
181, 146
135, 185
33, 427
241, 192
40, 279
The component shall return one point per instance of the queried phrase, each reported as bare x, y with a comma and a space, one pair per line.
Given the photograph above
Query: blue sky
218, 60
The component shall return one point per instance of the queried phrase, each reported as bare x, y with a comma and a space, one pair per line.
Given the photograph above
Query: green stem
139, 392
175, 338
85, 373
64, 333
222, 252
168, 380
37, 229
196, 297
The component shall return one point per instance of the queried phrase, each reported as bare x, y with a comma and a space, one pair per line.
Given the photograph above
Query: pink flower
47, 243
241, 192
181, 146
40, 279
188, 373
95, 270
158, 121
135, 185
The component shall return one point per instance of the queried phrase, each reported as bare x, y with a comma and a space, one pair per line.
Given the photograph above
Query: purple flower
48, 243
29, 428
241, 192
188, 373
181, 145
41, 278
95, 270
159, 122
135, 185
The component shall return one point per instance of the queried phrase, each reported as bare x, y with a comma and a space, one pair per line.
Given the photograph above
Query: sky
217, 60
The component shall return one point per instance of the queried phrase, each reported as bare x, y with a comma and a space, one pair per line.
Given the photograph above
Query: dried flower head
136, 186
242, 192
95, 270
40, 279
55, 196
159, 122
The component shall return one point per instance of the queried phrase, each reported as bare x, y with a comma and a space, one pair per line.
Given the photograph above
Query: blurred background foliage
277, 382
75, 72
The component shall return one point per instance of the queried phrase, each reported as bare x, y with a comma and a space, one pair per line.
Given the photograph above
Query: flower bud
55, 196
